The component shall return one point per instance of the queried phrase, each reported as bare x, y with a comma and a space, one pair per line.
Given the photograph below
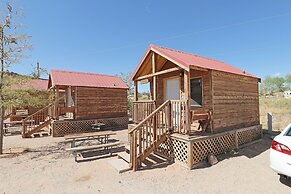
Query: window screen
196, 92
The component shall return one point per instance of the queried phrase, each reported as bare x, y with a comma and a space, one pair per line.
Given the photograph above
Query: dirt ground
41, 165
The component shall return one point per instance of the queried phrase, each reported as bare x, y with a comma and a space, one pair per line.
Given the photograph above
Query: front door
172, 89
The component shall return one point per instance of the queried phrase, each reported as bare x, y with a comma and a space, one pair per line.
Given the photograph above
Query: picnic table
101, 136
12, 123
9, 124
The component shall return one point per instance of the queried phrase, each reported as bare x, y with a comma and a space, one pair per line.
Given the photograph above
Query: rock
212, 159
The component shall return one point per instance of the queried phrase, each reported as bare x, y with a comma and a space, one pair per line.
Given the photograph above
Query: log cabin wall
100, 103
235, 101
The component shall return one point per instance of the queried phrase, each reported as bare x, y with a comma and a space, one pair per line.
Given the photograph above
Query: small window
288, 133
196, 92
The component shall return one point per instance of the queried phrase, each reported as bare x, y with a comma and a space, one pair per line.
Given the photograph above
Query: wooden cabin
18, 113
192, 97
82, 99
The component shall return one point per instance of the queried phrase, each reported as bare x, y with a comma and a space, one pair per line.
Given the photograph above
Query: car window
288, 133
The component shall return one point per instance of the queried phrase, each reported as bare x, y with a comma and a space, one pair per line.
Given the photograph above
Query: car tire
285, 180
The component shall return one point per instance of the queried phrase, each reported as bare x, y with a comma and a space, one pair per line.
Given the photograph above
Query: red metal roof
185, 60
37, 84
70, 78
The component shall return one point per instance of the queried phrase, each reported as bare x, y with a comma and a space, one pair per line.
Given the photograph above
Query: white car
280, 153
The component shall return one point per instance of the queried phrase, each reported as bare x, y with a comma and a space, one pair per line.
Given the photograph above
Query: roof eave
175, 61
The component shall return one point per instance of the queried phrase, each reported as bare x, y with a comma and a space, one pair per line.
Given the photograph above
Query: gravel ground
40, 165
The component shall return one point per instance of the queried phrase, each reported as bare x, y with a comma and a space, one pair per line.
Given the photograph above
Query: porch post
154, 95
57, 104
135, 105
135, 92
187, 100
151, 89
53, 110
154, 77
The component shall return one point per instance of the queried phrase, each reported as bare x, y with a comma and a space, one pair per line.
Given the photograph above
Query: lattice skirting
189, 152
61, 128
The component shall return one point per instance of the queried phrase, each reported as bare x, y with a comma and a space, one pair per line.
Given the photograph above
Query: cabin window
196, 92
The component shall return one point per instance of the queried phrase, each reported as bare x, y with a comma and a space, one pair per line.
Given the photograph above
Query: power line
197, 32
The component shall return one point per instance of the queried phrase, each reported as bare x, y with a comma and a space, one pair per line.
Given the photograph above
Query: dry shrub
280, 108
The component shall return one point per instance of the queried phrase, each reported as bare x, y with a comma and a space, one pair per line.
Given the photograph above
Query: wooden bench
13, 123
101, 136
78, 150
204, 118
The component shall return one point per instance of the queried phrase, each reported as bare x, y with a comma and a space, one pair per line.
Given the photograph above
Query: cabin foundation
190, 150
64, 127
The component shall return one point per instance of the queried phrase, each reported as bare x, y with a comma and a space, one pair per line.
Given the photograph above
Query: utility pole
2, 110
38, 70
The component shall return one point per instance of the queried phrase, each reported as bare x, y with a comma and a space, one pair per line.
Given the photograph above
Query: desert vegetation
280, 108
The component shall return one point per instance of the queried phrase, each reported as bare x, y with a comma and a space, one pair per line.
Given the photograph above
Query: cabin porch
189, 93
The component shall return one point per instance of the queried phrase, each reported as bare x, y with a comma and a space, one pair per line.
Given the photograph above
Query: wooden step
156, 159
153, 161
36, 129
147, 163
40, 134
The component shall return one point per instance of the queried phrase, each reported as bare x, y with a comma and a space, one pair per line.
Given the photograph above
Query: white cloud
277, 74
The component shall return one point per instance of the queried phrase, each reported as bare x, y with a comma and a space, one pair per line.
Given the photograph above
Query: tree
38, 71
273, 84
126, 78
18, 92
279, 84
288, 80
12, 47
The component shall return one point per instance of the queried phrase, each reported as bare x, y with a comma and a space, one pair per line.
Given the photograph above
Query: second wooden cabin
81, 99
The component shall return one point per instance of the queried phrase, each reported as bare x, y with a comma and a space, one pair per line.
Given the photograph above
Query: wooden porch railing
39, 119
178, 116
149, 134
8, 112
142, 109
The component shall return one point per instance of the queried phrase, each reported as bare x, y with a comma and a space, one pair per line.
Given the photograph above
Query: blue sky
111, 36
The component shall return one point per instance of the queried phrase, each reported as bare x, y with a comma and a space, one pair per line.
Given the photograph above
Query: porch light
181, 74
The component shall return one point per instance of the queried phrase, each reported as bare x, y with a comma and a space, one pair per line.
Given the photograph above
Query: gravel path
42, 166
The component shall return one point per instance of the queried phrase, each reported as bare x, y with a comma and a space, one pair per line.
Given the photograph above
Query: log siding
93, 103
235, 101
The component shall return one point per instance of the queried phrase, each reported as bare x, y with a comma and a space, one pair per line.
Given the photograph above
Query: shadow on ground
99, 154
249, 150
